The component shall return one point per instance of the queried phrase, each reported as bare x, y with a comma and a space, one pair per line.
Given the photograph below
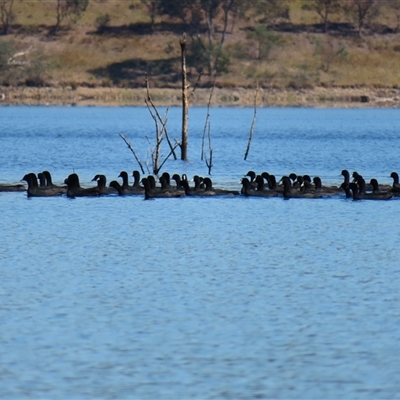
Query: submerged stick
209, 162
207, 122
185, 106
133, 151
252, 125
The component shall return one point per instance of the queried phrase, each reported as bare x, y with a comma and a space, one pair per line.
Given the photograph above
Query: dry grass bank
118, 58
81, 58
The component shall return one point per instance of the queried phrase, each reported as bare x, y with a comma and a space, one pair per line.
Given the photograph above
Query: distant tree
265, 11
177, 9
6, 14
324, 8
207, 24
394, 8
329, 52
68, 9
6, 51
102, 21
360, 11
266, 41
153, 8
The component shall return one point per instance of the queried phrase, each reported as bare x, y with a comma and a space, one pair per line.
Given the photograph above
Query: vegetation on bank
234, 43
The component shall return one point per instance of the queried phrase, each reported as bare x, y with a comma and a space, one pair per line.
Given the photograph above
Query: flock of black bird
262, 185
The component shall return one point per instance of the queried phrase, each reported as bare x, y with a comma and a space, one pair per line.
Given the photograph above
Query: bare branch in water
252, 124
207, 121
155, 155
166, 158
133, 151
162, 121
185, 105
209, 162
160, 131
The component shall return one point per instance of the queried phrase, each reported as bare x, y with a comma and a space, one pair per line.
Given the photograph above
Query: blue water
216, 298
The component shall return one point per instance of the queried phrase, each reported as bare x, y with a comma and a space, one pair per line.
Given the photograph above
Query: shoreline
239, 97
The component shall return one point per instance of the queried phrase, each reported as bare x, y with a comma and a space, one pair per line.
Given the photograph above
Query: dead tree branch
185, 106
209, 162
14, 61
162, 121
133, 151
155, 154
207, 121
252, 124
166, 158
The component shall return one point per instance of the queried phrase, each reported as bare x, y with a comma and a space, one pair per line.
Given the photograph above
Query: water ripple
199, 298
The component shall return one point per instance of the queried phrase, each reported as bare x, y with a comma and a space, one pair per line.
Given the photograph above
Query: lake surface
199, 298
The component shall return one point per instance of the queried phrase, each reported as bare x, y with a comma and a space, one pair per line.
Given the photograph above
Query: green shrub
266, 40
329, 52
102, 21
